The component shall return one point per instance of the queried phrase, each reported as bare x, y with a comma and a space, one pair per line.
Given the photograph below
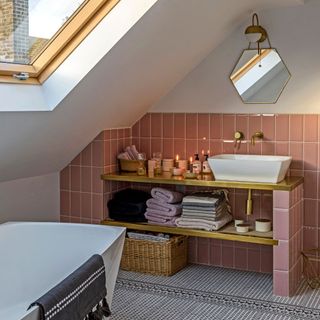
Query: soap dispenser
196, 166
205, 165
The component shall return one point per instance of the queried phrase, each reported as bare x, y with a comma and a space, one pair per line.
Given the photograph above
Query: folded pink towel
162, 221
165, 195
164, 208
158, 218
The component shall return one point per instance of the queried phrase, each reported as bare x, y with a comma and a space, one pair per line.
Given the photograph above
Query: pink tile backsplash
295, 135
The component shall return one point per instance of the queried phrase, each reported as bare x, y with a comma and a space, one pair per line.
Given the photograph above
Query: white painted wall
293, 31
30, 199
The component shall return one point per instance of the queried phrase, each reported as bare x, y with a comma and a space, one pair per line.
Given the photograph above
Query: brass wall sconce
260, 74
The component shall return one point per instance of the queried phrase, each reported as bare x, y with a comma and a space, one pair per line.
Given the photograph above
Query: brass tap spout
256, 135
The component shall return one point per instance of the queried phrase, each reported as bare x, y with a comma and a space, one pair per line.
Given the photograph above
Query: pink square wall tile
203, 148
85, 179
228, 147
215, 147
75, 204
97, 183
310, 213
97, 207
228, 126
114, 134
268, 148
253, 260
256, 148
107, 134
167, 149
255, 124
156, 125
65, 203
86, 205
179, 120
168, 125
86, 155
281, 224
296, 151
311, 128
228, 257
215, 126
75, 178
145, 145
192, 249
281, 199
203, 126
191, 148
120, 133
145, 126
242, 124
241, 258
65, 178
282, 127
97, 153
203, 251
179, 148
310, 238
127, 132
76, 160
282, 148
310, 184
296, 127
268, 128
215, 255
107, 153
191, 126
136, 129
281, 283
266, 261
156, 145
281, 256
310, 156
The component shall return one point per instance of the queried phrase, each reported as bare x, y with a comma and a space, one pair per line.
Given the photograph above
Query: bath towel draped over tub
75, 297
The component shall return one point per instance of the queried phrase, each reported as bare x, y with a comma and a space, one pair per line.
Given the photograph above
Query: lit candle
208, 152
202, 152
190, 164
177, 161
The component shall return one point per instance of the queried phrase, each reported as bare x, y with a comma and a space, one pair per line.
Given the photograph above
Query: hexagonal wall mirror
260, 78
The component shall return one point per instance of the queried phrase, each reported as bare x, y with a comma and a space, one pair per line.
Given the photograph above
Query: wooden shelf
226, 233
206, 181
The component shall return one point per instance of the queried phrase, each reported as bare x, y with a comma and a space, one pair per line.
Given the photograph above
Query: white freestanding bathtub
34, 257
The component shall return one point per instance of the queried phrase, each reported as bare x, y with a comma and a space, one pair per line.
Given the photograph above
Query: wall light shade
255, 33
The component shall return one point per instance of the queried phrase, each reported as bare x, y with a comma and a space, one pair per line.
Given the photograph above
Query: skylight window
37, 35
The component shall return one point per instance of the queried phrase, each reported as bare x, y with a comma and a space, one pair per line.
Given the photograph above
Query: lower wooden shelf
226, 233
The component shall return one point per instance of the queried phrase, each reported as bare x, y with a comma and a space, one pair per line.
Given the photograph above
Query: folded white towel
203, 223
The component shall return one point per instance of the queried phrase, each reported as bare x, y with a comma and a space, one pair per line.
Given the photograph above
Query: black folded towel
128, 205
75, 297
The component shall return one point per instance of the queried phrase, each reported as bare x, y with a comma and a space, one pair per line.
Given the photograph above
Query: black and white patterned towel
75, 297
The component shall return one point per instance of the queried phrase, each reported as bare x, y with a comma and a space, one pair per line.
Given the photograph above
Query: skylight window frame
61, 45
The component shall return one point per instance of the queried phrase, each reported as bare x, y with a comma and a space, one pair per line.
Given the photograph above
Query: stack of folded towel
206, 210
164, 207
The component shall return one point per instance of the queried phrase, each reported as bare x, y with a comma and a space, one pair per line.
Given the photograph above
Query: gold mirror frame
238, 71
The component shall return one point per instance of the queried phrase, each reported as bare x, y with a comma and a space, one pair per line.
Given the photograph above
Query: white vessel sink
253, 168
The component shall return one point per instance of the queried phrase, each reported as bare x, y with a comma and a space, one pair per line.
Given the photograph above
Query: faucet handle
238, 135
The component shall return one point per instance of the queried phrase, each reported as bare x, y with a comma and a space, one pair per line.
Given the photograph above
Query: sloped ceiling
157, 53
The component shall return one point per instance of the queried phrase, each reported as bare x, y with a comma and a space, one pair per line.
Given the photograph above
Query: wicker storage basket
131, 165
311, 263
161, 258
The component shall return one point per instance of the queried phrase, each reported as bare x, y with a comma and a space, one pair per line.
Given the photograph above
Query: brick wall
14, 31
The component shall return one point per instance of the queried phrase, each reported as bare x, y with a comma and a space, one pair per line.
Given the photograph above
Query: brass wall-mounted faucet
238, 137
256, 135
